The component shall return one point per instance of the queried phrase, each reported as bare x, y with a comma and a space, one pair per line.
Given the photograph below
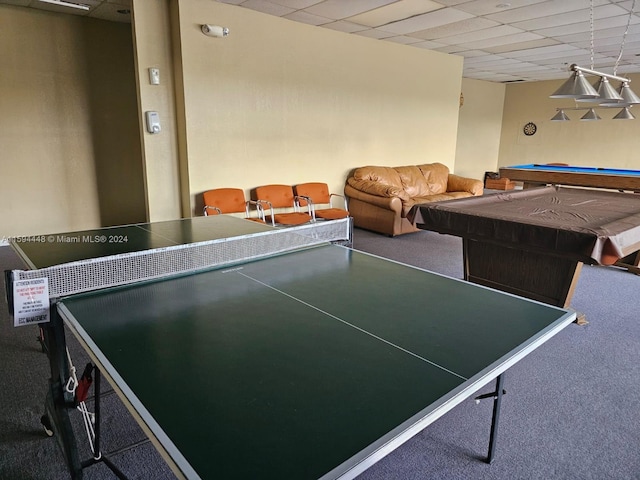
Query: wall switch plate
154, 76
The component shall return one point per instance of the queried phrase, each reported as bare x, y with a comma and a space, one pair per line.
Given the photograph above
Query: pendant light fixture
602, 92
624, 114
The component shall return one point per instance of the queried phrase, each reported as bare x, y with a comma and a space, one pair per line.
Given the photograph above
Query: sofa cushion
383, 175
378, 189
413, 181
436, 176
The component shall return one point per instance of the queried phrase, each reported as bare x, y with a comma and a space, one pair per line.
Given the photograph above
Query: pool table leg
630, 262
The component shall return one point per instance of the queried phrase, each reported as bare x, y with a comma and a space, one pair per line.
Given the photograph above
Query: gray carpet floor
572, 410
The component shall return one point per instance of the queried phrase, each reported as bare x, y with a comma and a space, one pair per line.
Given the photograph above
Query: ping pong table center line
158, 234
360, 329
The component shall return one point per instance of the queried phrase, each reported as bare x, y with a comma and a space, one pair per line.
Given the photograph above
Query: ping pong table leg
57, 401
97, 455
497, 400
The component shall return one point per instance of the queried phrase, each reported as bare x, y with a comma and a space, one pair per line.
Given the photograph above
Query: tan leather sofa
381, 197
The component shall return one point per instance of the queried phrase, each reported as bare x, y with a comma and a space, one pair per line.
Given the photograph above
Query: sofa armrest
389, 203
456, 183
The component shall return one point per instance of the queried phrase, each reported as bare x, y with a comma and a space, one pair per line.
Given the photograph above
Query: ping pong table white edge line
408, 429
167, 449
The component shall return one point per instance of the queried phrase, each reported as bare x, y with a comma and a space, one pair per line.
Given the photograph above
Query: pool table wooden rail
547, 175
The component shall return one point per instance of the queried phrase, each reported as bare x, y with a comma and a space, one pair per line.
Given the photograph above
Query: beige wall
69, 160
276, 101
153, 48
282, 102
604, 143
479, 128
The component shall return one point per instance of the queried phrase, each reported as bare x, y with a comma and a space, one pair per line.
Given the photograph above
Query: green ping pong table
313, 362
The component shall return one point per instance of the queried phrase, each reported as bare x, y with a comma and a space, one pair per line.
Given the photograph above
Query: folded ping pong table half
311, 363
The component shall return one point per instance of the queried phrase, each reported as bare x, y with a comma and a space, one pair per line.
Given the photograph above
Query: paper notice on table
30, 301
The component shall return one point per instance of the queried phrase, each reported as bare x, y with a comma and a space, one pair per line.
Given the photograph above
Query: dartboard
530, 129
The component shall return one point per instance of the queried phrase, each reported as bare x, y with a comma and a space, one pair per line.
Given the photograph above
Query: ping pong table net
128, 268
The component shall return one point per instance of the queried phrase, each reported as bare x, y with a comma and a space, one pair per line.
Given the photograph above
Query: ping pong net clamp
127, 269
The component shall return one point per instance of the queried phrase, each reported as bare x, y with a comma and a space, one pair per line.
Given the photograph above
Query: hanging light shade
576, 87
560, 117
624, 114
590, 115
606, 93
628, 97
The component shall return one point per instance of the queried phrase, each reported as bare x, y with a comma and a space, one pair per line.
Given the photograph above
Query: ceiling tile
584, 27
541, 9
428, 20
576, 16
474, 53
340, 9
617, 32
265, 6
346, 27
110, 11
308, 18
403, 39
479, 35
543, 52
394, 12
486, 7
492, 42
495, 60
450, 3
297, 4
374, 33
456, 28
514, 47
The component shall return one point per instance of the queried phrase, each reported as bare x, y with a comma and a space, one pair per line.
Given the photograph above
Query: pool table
534, 242
534, 175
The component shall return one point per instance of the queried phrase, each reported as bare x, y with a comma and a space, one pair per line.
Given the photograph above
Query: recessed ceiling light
503, 5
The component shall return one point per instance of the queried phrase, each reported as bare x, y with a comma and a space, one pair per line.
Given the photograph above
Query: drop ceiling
111, 10
501, 41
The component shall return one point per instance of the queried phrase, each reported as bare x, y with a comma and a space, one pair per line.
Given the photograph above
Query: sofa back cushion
413, 181
436, 175
383, 175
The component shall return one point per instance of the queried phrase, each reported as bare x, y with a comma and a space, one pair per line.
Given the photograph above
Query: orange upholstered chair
276, 198
318, 194
230, 200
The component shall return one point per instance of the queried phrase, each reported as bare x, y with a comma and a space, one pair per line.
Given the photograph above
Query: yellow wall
69, 158
153, 48
479, 128
604, 143
282, 102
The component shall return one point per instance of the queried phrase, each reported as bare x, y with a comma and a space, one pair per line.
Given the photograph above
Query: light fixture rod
582, 108
576, 68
